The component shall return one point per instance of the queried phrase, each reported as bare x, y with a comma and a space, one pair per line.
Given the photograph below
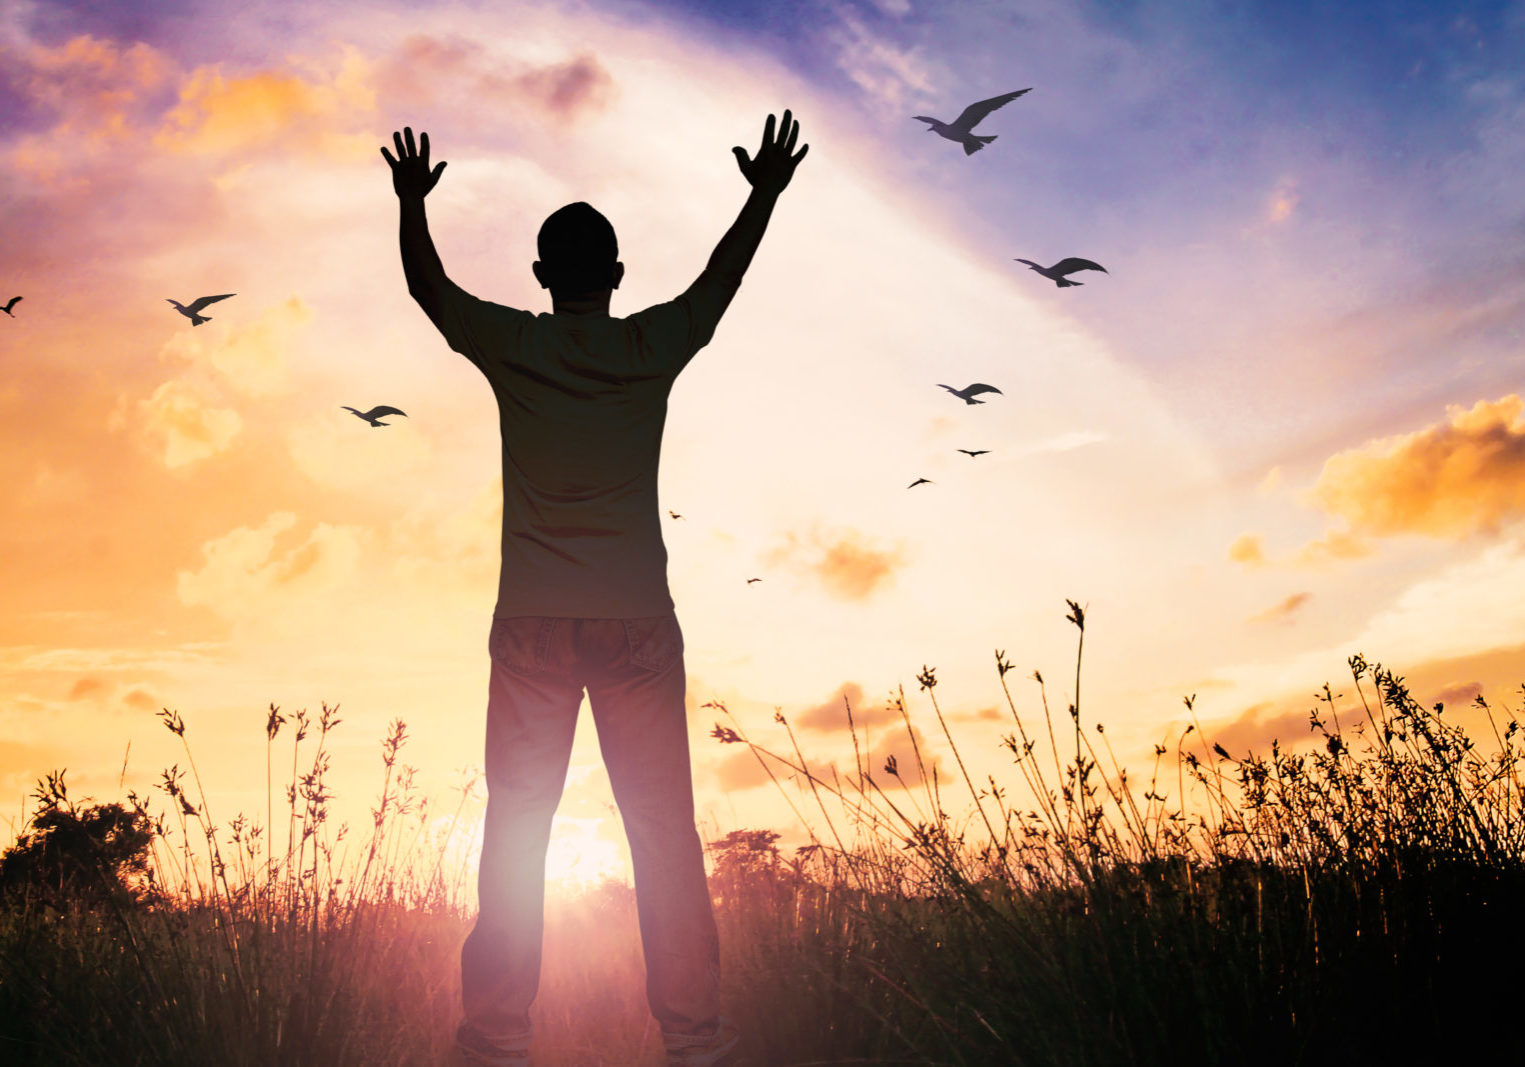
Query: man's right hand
771, 169
411, 177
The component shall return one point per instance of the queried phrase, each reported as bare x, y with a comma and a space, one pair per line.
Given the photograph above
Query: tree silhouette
78, 853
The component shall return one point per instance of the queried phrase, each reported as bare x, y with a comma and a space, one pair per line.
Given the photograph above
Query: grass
1355, 901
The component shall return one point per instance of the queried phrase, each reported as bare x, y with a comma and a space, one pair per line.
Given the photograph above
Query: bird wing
202, 302
970, 117
980, 387
13, 302
384, 410
1074, 263
928, 119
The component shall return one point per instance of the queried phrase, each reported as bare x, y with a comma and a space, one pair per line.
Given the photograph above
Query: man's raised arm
411, 180
769, 173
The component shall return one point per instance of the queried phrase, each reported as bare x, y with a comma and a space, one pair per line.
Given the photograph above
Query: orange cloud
87, 687
181, 418
1254, 729
219, 114
244, 567
908, 771
139, 699
1335, 545
1285, 610
847, 565
1247, 550
1451, 480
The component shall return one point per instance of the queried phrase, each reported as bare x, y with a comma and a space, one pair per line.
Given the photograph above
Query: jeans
633, 671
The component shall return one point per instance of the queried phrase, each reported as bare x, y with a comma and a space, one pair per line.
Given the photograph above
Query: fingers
783, 128
423, 149
391, 162
434, 177
397, 143
768, 132
794, 132
796, 159
407, 132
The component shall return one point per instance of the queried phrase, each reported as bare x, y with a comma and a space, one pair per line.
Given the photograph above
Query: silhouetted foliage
77, 852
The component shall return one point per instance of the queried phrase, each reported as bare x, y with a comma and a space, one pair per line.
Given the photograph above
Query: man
583, 598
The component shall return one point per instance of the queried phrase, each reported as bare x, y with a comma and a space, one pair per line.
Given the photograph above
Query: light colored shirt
582, 400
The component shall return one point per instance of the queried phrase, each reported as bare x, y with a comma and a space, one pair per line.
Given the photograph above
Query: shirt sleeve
483, 332
673, 332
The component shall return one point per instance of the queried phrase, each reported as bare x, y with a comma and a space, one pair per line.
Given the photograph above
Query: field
1356, 901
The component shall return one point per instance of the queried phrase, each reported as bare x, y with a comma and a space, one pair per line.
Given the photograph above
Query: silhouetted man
583, 598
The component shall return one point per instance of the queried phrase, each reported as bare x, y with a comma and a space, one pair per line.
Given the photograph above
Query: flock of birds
960, 131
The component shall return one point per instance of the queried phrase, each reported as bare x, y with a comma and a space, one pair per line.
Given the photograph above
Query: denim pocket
519, 643
655, 642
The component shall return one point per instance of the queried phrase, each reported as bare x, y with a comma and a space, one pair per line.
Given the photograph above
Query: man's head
579, 255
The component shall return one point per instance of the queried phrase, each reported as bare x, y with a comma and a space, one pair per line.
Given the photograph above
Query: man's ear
539, 275
617, 276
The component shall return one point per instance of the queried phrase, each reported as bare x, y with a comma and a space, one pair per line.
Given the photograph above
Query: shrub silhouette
77, 853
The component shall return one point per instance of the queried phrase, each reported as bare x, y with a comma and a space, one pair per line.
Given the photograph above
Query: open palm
411, 176
770, 170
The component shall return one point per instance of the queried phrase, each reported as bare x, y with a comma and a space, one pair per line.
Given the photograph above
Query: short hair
577, 249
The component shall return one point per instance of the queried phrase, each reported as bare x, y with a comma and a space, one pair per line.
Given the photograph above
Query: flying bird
919, 481
675, 515
375, 415
961, 129
969, 392
1057, 272
977, 452
193, 311
7, 307
751, 580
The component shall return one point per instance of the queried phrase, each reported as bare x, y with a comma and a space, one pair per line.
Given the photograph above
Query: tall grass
1342, 901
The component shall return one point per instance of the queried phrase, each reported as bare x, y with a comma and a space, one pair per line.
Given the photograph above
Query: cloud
1452, 480
876, 65
1284, 610
426, 66
140, 699
181, 418
90, 85
845, 562
307, 109
1247, 550
900, 746
252, 358
747, 770
243, 568
1335, 545
87, 687
1282, 202
1256, 727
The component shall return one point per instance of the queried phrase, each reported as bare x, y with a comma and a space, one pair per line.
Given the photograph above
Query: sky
1285, 426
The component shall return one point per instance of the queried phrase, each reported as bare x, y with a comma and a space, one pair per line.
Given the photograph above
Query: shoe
704, 1050
477, 1049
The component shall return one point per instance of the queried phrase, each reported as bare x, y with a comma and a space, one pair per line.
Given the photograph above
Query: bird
969, 392
919, 481
375, 415
1057, 272
961, 129
977, 452
192, 312
751, 580
7, 307
675, 515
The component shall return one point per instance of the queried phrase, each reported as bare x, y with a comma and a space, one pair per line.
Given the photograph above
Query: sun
579, 856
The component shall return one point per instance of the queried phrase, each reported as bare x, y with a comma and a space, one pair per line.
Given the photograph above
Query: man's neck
583, 304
